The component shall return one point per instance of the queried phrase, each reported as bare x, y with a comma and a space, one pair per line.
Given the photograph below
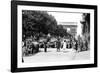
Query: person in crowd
61, 44
64, 45
45, 46
86, 44
23, 50
76, 46
58, 44
35, 46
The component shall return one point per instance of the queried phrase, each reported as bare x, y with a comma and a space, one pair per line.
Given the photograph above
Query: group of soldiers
72, 43
66, 44
30, 46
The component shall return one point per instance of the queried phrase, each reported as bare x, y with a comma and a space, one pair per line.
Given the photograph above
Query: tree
37, 21
60, 31
40, 22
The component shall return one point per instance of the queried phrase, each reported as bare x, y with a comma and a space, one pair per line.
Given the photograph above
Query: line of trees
40, 22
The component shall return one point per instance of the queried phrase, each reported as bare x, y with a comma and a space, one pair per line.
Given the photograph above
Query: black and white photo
55, 36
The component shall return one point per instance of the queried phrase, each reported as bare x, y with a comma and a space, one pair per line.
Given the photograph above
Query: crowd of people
31, 45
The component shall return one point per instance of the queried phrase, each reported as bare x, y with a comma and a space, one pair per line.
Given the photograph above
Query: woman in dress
64, 44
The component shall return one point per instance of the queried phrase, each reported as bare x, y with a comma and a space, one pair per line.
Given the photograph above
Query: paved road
51, 56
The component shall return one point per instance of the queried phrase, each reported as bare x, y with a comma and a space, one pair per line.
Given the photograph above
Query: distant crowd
31, 45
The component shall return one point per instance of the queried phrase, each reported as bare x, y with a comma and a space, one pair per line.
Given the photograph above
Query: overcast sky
66, 17
69, 17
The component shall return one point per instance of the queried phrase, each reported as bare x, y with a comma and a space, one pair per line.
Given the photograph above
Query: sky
69, 17
66, 16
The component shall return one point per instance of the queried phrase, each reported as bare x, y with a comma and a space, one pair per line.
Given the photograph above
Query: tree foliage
40, 22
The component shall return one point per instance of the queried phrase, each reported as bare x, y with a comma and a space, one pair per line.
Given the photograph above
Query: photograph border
14, 30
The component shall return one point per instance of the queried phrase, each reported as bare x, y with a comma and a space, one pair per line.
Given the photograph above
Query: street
53, 56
